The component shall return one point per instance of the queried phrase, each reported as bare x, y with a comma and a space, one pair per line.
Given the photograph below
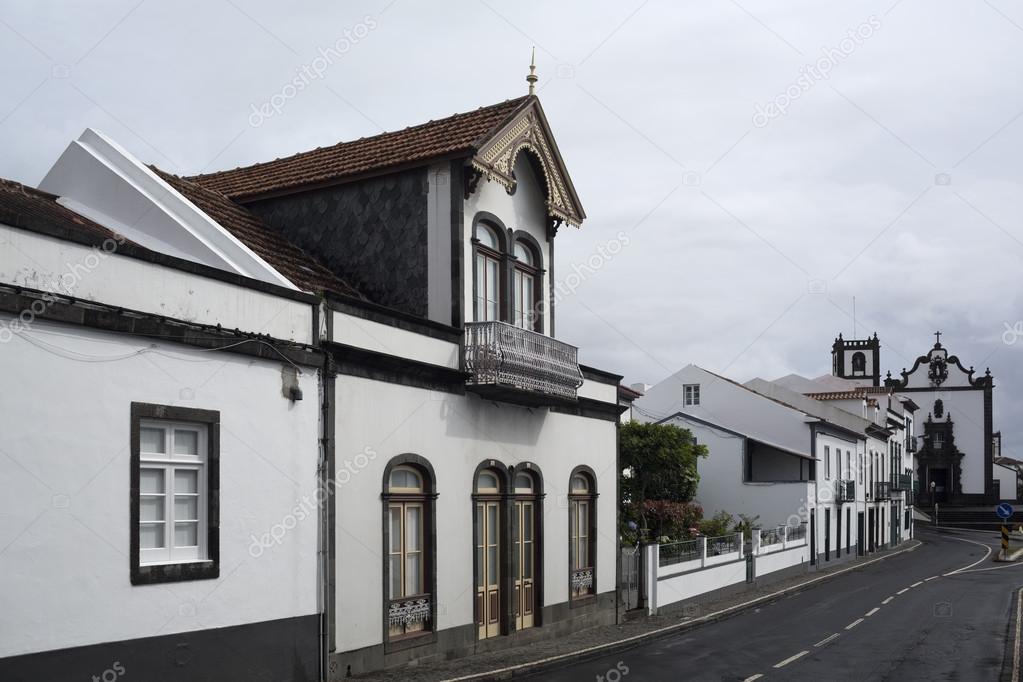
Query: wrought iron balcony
903, 482
882, 490
845, 491
520, 366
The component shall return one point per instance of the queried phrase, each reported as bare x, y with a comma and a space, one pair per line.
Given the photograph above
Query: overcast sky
883, 171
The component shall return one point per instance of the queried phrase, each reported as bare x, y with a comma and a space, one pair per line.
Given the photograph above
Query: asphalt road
940, 612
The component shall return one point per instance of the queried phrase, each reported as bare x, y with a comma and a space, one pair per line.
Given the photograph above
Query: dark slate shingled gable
302, 269
447, 137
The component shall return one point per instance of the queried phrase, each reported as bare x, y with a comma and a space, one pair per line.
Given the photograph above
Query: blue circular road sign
1004, 510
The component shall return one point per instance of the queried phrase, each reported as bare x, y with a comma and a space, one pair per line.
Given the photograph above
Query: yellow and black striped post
1005, 540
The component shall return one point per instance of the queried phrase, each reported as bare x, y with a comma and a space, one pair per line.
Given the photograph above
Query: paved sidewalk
536, 656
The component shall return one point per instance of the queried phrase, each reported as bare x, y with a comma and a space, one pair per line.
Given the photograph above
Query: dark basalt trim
600, 376
359, 362
69, 310
132, 250
176, 572
394, 318
592, 409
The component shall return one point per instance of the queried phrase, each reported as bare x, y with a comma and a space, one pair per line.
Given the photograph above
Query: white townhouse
458, 489
787, 458
760, 460
161, 410
859, 505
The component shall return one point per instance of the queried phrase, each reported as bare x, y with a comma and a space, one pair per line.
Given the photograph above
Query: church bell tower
857, 359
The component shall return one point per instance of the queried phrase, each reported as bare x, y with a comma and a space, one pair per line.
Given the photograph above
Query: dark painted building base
270, 651
557, 620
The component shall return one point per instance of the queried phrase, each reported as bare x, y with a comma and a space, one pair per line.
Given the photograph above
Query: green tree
658, 463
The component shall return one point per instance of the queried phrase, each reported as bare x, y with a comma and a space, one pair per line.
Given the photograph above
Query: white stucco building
352, 350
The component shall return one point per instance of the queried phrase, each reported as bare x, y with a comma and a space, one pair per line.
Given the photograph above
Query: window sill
178, 571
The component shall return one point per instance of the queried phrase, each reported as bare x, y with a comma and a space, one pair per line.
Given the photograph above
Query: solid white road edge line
668, 628
788, 660
1015, 651
853, 624
987, 553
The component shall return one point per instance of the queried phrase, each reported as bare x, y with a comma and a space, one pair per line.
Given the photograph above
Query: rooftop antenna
854, 317
532, 78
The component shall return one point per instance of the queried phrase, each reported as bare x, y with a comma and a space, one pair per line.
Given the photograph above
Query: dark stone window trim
502, 257
429, 502
583, 600
177, 572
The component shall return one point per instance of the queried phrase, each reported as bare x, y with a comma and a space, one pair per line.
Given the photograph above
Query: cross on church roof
937, 338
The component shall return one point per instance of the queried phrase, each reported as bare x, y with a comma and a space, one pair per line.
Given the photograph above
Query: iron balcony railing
882, 490
903, 482
845, 491
503, 356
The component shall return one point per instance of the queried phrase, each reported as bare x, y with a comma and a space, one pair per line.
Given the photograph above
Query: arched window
408, 540
488, 273
859, 363
490, 548
526, 561
582, 532
526, 288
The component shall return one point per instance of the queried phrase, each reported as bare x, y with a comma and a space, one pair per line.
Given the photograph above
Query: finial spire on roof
532, 78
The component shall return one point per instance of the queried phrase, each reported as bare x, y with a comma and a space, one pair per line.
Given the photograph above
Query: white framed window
488, 275
173, 500
691, 394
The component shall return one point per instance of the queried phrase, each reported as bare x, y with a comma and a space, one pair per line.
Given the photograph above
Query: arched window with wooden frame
490, 541
527, 284
410, 582
488, 276
527, 545
582, 533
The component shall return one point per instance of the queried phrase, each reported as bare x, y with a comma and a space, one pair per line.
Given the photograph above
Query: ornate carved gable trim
528, 130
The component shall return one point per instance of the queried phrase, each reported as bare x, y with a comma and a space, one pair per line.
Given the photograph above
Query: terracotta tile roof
451, 136
303, 270
29, 208
861, 392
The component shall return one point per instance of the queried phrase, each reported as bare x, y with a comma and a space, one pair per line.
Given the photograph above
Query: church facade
955, 459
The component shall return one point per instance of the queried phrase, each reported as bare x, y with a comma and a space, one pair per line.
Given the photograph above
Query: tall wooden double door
521, 558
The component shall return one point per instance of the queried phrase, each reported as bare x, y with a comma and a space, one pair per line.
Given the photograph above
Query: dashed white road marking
826, 640
933, 577
918, 583
788, 660
872, 611
887, 600
904, 589
753, 677
853, 624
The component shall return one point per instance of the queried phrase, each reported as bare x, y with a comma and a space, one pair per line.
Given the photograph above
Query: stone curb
561, 660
